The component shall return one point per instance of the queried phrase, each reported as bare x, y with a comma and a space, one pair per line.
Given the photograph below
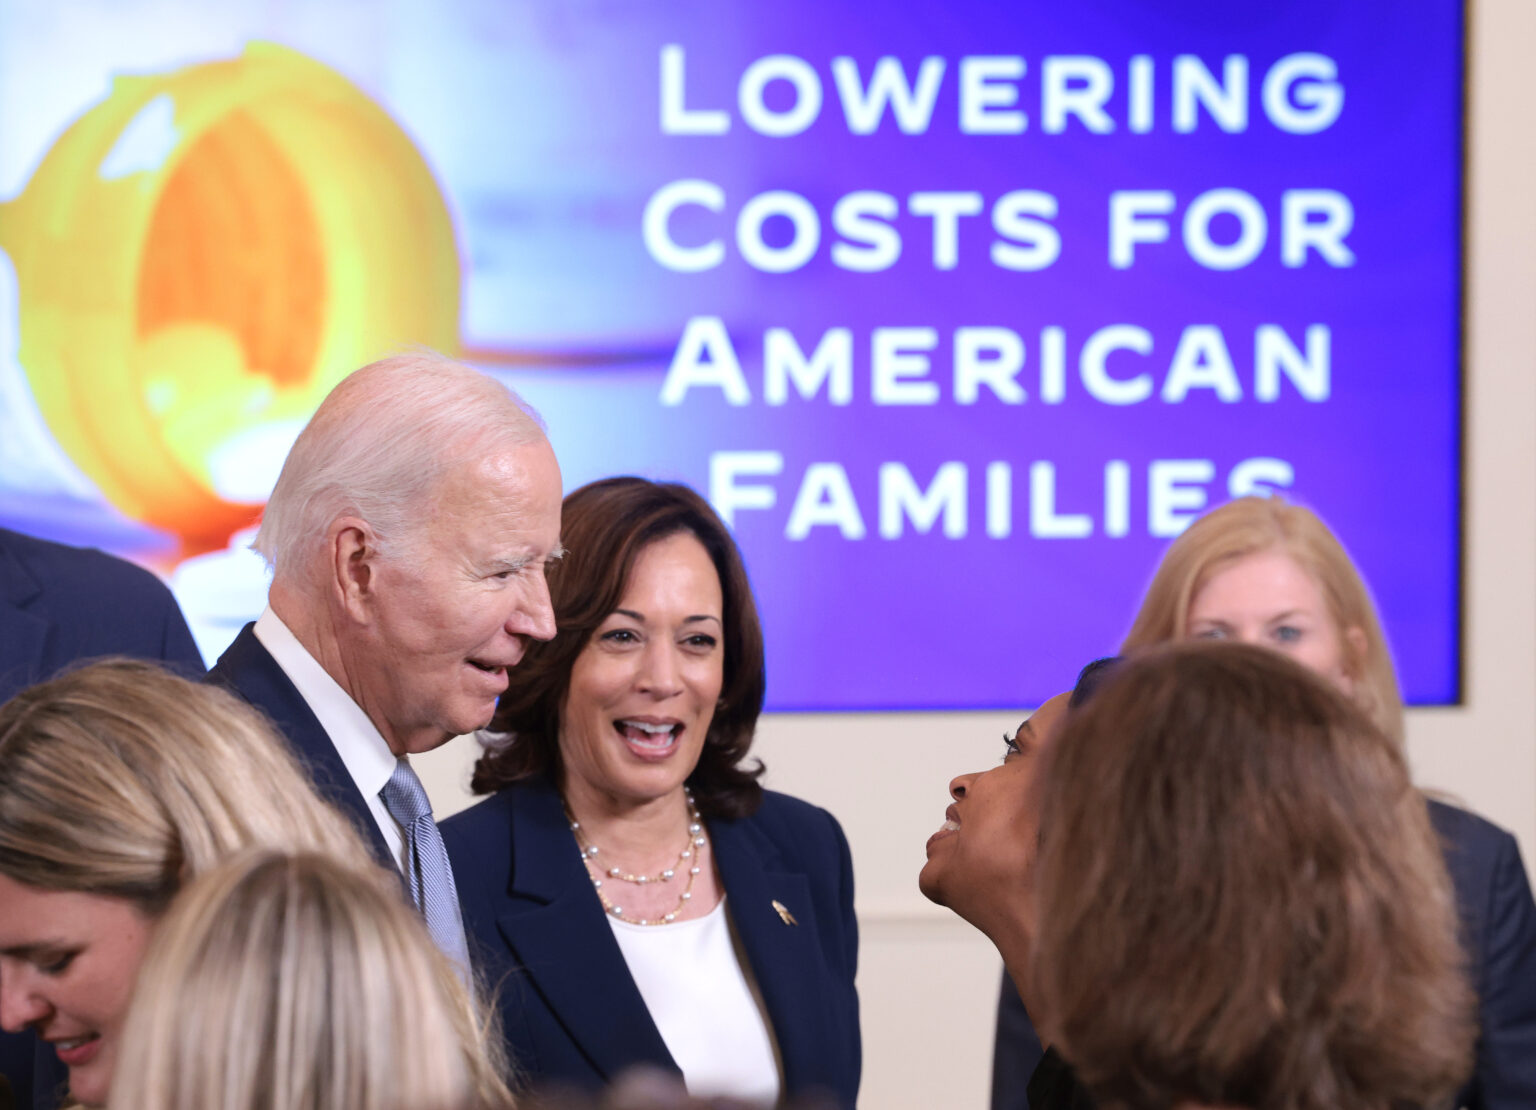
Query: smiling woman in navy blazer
633, 895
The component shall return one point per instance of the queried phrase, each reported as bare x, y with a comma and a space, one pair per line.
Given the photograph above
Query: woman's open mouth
77, 1051
649, 739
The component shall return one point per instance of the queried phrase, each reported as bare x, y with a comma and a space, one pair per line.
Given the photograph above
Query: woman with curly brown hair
637, 895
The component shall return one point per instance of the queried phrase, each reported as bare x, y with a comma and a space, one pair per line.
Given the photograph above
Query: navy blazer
248, 670
60, 605
1498, 929
570, 1011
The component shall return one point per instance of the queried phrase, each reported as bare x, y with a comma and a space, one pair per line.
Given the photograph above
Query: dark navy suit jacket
248, 669
571, 1012
60, 605
1498, 922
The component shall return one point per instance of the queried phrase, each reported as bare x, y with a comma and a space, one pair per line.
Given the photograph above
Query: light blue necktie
426, 866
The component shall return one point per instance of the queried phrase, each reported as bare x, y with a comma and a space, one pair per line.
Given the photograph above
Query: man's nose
535, 616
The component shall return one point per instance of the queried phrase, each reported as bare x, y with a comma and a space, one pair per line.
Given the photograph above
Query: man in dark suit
60, 605
408, 534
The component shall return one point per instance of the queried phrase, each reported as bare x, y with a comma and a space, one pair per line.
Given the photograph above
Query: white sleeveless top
708, 1013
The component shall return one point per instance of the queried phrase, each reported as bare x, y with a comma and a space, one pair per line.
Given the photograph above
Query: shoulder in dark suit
247, 669
1498, 921
571, 1012
61, 604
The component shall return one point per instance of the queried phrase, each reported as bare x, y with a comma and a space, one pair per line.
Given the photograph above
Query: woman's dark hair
1090, 678
604, 527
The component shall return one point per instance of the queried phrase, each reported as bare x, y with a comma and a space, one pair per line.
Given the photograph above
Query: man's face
450, 612
986, 847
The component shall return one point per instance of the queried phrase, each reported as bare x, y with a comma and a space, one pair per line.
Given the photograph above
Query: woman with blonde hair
296, 982
1239, 899
118, 783
1282, 554
1264, 571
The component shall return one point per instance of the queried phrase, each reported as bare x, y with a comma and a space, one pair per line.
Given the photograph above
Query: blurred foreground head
123, 780
119, 782
293, 982
1241, 900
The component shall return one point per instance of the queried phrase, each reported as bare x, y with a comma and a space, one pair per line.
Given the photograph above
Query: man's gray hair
377, 447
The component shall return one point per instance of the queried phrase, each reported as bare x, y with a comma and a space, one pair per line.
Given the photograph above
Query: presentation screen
958, 313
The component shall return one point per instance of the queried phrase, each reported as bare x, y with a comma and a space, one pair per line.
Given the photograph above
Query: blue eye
1211, 634
1287, 634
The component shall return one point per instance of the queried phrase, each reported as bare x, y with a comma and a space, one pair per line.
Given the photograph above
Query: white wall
928, 982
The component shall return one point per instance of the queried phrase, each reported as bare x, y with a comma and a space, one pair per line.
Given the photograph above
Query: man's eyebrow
520, 562
509, 562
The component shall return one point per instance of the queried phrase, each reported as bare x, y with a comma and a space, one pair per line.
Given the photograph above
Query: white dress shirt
361, 747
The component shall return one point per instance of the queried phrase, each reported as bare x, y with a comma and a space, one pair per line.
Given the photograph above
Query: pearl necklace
589, 853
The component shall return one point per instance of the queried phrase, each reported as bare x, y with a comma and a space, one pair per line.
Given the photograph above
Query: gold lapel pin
784, 914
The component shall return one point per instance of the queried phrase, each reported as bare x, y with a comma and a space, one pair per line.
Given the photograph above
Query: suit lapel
26, 633
562, 942
786, 959
249, 670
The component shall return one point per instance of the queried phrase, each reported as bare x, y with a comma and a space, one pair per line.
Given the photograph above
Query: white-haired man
408, 535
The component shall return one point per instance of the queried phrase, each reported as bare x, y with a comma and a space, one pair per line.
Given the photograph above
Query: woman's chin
930, 883
88, 1085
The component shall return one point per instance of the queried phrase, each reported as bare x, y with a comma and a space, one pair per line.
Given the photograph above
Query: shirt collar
356, 739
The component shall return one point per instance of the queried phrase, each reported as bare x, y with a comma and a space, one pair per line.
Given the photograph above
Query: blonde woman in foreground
295, 982
118, 783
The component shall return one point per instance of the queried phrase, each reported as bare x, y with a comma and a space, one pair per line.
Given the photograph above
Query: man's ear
354, 559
